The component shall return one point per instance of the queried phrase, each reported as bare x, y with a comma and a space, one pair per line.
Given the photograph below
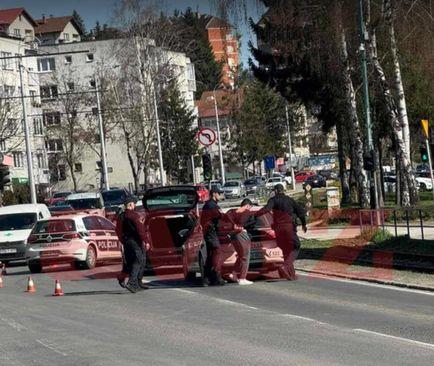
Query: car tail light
71, 236
270, 234
31, 239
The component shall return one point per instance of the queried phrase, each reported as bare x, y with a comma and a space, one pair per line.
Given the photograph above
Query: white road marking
237, 304
407, 340
51, 347
12, 323
364, 283
186, 291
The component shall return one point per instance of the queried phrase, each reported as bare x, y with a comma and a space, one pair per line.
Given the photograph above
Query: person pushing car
130, 231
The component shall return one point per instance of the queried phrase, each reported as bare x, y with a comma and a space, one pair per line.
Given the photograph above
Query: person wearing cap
210, 218
131, 233
285, 212
241, 241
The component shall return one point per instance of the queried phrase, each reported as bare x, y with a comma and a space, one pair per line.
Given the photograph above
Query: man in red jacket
131, 233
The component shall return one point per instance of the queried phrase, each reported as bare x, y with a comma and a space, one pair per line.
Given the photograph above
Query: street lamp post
102, 139
160, 152
290, 148
27, 138
222, 166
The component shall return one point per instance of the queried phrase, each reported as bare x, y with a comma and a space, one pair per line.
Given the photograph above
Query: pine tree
177, 134
79, 20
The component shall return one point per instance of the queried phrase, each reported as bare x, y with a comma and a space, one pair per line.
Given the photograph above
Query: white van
16, 223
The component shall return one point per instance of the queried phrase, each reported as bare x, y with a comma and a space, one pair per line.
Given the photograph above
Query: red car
300, 177
57, 197
173, 224
202, 192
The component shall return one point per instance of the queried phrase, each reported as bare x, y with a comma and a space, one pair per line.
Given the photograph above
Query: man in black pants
285, 213
130, 231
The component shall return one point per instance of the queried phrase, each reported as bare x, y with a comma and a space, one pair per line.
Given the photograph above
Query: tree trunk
355, 133
401, 103
409, 190
342, 168
73, 177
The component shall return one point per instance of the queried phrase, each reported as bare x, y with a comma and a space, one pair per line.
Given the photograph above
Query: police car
82, 240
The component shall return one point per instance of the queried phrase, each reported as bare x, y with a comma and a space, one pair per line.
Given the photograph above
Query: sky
102, 11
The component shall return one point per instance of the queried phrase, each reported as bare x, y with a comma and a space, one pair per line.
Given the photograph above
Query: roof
206, 107
24, 208
215, 22
68, 216
7, 16
55, 25
80, 196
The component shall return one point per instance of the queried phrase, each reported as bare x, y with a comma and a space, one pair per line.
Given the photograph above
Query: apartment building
17, 23
75, 66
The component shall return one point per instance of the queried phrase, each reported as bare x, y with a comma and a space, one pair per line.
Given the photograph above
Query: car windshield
60, 208
169, 199
61, 194
85, 203
114, 197
54, 226
19, 221
231, 184
275, 180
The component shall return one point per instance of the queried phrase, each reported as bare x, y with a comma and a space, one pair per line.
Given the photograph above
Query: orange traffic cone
30, 285
58, 290
1, 281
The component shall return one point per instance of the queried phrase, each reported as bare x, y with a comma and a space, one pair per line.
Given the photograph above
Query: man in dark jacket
285, 213
130, 231
211, 215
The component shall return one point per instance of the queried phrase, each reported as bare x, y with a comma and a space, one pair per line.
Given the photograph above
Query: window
17, 32
75, 37
17, 61
78, 167
89, 57
18, 159
91, 223
105, 224
46, 64
66, 37
8, 90
62, 172
68, 59
28, 31
37, 127
92, 84
2, 145
230, 49
6, 64
11, 125
32, 94
41, 160
49, 92
70, 86
94, 111
51, 118
54, 145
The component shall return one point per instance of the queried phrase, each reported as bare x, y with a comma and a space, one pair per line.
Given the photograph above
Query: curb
365, 279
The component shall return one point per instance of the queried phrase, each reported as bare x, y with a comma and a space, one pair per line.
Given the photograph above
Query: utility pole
102, 139
362, 50
222, 166
160, 153
290, 149
27, 138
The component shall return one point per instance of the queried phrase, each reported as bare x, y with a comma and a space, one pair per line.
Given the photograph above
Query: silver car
234, 189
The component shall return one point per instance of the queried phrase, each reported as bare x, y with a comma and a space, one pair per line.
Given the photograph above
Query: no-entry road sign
206, 136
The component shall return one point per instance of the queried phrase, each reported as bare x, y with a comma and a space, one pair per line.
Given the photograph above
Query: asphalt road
312, 321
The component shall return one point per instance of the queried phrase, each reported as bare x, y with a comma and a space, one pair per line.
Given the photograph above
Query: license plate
8, 251
256, 255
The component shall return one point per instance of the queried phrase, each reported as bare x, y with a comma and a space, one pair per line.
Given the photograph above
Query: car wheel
90, 261
35, 267
423, 187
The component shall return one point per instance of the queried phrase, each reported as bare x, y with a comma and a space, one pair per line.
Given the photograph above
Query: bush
8, 198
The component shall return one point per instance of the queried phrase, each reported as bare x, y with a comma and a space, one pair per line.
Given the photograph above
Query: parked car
82, 240
272, 182
16, 224
234, 189
329, 174
202, 192
253, 184
57, 197
424, 180
90, 202
114, 199
315, 181
300, 177
390, 184
173, 225
60, 208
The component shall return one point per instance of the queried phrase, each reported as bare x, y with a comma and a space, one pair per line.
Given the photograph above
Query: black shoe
121, 283
132, 288
205, 282
218, 282
143, 286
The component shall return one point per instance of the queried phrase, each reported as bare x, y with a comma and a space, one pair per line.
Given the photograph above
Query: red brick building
225, 48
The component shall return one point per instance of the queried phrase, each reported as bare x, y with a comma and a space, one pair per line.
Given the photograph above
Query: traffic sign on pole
206, 136
425, 127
